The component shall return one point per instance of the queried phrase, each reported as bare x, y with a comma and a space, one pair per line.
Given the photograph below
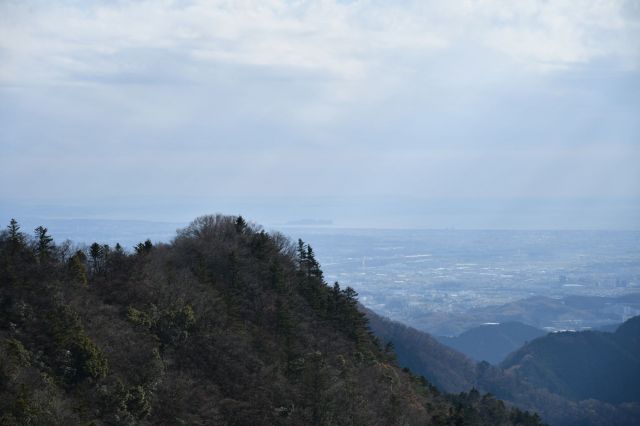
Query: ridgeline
225, 325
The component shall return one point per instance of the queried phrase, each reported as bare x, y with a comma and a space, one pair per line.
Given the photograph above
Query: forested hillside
445, 367
583, 365
454, 372
225, 325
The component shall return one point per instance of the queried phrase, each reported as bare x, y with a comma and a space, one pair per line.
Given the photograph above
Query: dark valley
569, 378
492, 342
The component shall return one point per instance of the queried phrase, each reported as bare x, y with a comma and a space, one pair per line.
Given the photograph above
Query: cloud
274, 97
57, 42
558, 34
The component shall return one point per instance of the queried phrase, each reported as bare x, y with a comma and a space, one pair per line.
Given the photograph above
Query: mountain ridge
584, 364
455, 372
492, 342
226, 324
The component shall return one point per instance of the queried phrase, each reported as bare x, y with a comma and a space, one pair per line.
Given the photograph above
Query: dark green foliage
144, 248
95, 251
446, 368
170, 326
225, 325
307, 261
75, 356
44, 243
583, 365
240, 225
524, 387
15, 237
77, 268
120, 404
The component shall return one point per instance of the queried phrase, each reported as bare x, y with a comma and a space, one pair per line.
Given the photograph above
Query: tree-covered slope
225, 325
586, 364
446, 368
455, 372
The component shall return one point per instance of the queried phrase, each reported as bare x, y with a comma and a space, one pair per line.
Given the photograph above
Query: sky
476, 114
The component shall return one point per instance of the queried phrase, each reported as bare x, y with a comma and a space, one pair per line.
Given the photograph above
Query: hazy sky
474, 100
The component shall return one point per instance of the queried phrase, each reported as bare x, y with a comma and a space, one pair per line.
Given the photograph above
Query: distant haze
426, 114
339, 212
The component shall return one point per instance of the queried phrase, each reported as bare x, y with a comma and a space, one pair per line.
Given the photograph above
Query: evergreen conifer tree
45, 243
16, 238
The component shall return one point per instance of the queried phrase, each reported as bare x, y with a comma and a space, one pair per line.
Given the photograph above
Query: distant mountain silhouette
455, 372
492, 342
546, 313
586, 364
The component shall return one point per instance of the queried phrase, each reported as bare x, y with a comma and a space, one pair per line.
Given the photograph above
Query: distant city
448, 281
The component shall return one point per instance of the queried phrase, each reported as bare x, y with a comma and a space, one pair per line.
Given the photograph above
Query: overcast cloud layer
427, 99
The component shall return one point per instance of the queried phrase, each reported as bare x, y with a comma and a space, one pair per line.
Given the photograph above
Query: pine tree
302, 252
313, 266
95, 251
45, 243
16, 238
77, 267
240, 225
144, 248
